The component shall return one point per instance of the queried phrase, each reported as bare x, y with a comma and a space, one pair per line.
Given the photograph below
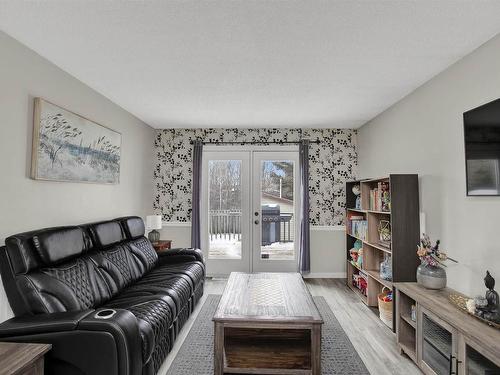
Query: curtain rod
254, 142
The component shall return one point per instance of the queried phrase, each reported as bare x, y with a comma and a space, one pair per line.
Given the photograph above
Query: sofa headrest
22, 253
106, 233
133, 226
59, 244
31, 250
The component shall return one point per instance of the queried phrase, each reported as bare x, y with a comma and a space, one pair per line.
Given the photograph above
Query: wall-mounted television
482, 149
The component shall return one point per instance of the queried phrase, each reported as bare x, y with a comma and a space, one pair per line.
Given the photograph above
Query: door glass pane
277, 210
477, 364
224, 216
436, 346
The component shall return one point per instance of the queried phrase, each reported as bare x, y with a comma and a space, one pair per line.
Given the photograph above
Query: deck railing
226, 224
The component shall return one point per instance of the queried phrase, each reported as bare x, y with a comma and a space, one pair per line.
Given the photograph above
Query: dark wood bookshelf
405, 235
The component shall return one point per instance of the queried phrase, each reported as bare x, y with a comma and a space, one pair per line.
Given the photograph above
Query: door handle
256, 222
451, 372
457, 362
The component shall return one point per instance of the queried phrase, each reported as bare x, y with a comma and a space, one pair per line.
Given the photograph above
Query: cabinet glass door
478, 364
437, 346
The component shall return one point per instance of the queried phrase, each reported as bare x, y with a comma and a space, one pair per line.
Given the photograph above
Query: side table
162, 245
22, 359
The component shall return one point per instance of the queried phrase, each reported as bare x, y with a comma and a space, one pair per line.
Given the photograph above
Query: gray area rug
195, 356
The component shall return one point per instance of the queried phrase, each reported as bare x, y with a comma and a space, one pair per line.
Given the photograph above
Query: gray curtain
196, 198
305, 243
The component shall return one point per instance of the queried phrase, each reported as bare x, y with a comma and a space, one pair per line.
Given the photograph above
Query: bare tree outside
225, 184
277, 178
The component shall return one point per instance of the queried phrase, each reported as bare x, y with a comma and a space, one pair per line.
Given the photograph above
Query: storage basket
385, 308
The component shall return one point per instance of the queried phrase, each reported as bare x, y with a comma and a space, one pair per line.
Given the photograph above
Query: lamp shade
153, 222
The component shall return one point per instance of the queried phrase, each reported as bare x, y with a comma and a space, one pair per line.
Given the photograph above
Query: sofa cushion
143, 252
123, 264
155, 317
194, 270
59, 244
70, 286
177, 286
129, 269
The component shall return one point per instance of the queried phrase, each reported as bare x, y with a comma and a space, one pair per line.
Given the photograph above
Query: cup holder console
104, 314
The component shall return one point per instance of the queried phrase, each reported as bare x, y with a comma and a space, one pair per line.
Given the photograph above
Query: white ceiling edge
431, 78
253, 64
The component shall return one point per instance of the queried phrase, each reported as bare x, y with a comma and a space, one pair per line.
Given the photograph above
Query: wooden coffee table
267, 323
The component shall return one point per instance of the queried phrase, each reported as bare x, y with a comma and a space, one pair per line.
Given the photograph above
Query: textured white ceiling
252, 63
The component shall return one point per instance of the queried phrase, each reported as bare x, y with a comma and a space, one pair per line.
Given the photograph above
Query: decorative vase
154, 236
386, 268
431, 277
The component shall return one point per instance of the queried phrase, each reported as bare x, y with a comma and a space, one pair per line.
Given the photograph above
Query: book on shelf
358, 228
380, 197
354, 217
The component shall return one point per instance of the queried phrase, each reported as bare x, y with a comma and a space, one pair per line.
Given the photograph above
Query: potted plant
431, 273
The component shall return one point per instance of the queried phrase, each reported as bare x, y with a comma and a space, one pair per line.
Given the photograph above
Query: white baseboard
216, 277
314, 275
329, 228
176, 223
325, 275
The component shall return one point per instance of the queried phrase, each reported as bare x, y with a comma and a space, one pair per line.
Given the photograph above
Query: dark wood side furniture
404, 218
444, 339
162, 245
267, 323
22, 359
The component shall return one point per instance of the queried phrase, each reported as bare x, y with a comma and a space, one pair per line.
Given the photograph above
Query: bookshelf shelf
408, 320
379, 212
399, 194
356, 238
378, 247
356, 210
357, 267
366, 211
376, 276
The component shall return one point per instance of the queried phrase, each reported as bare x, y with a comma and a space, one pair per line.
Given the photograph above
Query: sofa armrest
118, 334
124, 328
34, 324
180, 255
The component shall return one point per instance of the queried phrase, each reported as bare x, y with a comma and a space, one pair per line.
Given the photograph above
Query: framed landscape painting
69, 147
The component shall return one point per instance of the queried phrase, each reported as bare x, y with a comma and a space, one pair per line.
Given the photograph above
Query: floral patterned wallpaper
331, 164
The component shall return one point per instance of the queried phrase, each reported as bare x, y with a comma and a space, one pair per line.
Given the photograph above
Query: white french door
225, 209
250, 207
275, 187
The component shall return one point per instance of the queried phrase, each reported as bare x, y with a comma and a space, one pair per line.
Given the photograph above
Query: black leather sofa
100, 294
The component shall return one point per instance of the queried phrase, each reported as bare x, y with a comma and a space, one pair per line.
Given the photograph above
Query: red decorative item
362, 285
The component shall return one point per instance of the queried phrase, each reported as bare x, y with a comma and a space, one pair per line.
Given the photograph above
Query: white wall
327, 247
26, 204
328, 253
423, 133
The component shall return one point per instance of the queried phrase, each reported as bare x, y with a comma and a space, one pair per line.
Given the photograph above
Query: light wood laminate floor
374, 342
